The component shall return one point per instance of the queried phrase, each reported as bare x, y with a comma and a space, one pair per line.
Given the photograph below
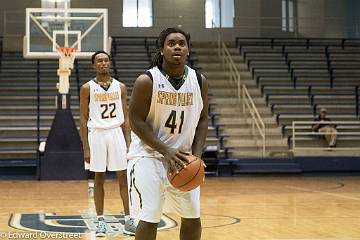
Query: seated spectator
325, 126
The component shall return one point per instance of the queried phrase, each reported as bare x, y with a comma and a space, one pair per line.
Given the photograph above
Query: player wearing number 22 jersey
105, 133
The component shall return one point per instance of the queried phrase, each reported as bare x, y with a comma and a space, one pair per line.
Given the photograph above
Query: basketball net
66, 63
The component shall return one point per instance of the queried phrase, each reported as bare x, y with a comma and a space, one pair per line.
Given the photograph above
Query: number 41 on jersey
171, 122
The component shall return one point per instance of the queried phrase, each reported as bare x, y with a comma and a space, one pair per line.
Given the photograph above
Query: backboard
47, 29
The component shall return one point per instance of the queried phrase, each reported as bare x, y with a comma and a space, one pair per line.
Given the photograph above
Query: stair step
255, 142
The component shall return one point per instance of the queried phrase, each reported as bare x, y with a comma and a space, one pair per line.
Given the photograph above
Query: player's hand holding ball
185, 171
175, 159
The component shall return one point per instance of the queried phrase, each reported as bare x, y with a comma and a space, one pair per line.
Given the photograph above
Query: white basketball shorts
107, 150
150, 190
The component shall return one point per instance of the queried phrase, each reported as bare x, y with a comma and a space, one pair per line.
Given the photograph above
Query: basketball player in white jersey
169, 117
105, 132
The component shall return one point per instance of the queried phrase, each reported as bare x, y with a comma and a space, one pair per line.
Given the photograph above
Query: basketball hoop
67, 57
66, 63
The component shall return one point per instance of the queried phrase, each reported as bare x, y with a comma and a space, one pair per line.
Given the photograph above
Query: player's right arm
138, 111
84, 116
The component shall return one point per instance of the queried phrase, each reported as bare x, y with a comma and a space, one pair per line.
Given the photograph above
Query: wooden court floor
254, 208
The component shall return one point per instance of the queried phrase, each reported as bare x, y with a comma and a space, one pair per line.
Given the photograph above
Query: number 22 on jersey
172, 123
108, 110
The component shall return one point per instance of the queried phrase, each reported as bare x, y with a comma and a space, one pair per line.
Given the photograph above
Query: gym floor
251, 207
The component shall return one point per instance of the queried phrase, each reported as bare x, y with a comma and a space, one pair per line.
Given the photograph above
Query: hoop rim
66, 51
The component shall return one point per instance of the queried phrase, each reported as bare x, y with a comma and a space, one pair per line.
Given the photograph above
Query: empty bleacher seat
299, 76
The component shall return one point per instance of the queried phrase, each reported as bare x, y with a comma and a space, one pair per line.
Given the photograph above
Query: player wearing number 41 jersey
172, 113
105, 133
169, 118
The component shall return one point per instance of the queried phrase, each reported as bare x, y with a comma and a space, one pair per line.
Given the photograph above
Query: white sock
101, 216
127, 218
91, 184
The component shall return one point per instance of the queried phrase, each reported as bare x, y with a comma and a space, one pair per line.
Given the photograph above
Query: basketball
190, 177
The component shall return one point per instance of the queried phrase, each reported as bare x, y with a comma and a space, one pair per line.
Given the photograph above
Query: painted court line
323, 192
308, 239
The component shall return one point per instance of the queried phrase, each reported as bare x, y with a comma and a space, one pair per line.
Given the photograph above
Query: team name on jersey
175, 99
103, 97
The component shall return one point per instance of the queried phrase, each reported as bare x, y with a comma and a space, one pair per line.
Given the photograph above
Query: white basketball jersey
105, 106
173, 114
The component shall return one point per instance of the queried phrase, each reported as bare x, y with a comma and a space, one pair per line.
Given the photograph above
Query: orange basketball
190, 177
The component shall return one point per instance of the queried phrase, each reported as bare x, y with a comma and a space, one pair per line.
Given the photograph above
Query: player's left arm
202, 127
126, 125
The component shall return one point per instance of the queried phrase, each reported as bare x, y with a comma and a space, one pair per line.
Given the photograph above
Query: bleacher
299, 76
28, 90
25, 123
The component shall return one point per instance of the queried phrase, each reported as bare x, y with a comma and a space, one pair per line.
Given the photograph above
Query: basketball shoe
101, 228
91, 192
130, 227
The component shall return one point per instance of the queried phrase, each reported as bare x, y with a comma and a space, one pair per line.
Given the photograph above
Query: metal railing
243, 95
248, 104
296, 134
228, 63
